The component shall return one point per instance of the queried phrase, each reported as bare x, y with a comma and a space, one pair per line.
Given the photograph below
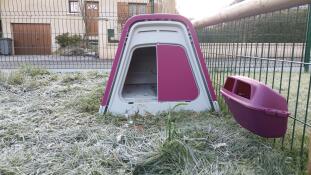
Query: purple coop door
175, 78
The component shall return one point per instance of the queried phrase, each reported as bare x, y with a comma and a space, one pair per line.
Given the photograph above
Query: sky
196, 9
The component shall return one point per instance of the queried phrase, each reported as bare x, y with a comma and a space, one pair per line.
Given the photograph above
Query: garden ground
49, 125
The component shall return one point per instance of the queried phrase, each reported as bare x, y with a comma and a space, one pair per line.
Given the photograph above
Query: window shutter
156, 8
148, 10
123, 12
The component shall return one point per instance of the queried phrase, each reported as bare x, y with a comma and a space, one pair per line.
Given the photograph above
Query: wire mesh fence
67, 34
273, 48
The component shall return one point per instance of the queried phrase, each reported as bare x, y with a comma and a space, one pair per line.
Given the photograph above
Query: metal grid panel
78, 34
273, 48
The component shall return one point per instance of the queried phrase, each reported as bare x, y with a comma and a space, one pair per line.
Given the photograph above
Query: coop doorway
141, 79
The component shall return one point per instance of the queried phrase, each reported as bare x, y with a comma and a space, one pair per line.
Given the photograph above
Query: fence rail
273, 48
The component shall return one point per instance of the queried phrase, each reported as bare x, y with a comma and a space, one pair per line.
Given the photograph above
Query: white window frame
137, 8
73, 8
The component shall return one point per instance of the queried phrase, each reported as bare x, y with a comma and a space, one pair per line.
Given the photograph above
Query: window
92, 6
126, 10
137, 8
111, 36
74, 6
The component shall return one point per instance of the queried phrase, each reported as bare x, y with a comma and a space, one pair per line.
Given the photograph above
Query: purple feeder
256, 107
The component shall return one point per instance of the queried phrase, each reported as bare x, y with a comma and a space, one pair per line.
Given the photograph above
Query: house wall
111, 22
167, 6
56, 13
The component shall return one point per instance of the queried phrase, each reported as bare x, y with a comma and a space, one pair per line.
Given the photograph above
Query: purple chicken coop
256, 107
158, 65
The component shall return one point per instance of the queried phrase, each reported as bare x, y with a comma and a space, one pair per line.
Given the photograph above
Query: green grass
2, 78
72, 77
15, 78
212, 144
32, 71
90, 102
27, 75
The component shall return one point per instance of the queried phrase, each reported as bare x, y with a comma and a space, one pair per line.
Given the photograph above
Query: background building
70, 27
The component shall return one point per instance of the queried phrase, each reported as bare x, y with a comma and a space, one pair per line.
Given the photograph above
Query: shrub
65, 40
32, 71
16, 78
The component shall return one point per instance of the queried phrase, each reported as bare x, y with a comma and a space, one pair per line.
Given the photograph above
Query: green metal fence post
308, 41
152, 6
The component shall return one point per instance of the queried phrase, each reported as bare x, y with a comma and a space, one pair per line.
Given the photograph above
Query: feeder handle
277, 113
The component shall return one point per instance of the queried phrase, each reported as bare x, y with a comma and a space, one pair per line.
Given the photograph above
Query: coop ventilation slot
141, 80
146, 31
172, 31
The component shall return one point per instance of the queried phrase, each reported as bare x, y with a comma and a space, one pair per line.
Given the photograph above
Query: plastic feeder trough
256, 107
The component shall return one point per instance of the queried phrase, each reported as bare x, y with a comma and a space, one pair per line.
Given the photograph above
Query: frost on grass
49, 125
